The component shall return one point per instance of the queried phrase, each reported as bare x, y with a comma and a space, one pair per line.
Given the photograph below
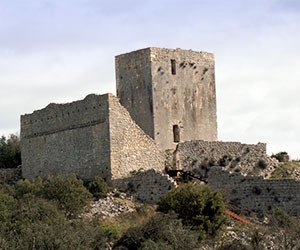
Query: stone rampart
233, 156
98, 137
255, 194
55, 118
67, 138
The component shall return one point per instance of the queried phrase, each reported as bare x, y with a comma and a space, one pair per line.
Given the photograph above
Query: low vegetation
279, 232
281, 156
197, 207
44, 214
49, 214
161, 231
286, 170
98, 187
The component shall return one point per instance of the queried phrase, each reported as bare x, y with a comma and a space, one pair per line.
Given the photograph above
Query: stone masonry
94, 136
199, 156
254, 194
169, 93
146, 185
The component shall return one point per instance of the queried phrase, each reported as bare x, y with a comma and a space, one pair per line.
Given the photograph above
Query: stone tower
169, 93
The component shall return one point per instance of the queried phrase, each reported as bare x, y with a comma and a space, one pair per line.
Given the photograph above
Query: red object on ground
236, 216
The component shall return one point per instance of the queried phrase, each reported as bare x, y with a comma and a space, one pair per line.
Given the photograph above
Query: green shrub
57, 233
29, 220
286, 170
197, 206
281, 156
33, 210
69, 192
162, 231
26, 188
10, 151
262, 164
152, 245
98, 188
7, 207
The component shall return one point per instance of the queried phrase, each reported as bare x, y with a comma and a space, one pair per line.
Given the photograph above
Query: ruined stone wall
131, 148
146, 185
256, 194
233, 156
67, 138
134, 87
186, 98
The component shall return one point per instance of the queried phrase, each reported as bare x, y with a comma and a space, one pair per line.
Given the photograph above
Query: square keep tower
170, 93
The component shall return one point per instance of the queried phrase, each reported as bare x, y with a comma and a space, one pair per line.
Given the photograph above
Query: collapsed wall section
67, 138
254, 194
131, 148
232, 156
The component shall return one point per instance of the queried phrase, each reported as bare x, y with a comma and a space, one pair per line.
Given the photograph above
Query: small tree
10, 151
98, 188
197, 206
281, 156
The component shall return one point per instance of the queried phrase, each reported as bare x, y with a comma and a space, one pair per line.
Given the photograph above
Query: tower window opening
173, 67
176, 133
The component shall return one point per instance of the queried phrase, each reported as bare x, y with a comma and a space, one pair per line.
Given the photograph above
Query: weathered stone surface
130, 148
67, 138
94, 136
232, 156
256, 194
159, 99
146, 185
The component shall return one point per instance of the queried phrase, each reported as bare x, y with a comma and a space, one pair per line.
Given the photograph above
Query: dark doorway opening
176, 133
173, 67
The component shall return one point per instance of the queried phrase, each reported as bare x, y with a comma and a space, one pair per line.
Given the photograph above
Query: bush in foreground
43, 215
161, 231
98, 187
69, 193
197, 206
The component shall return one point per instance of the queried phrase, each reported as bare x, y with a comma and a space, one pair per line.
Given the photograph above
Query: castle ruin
163, 119
170, 94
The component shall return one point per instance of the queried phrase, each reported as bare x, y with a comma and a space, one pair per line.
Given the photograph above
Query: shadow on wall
146, 185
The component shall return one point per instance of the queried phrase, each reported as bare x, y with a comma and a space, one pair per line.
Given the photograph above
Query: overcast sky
62, 50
